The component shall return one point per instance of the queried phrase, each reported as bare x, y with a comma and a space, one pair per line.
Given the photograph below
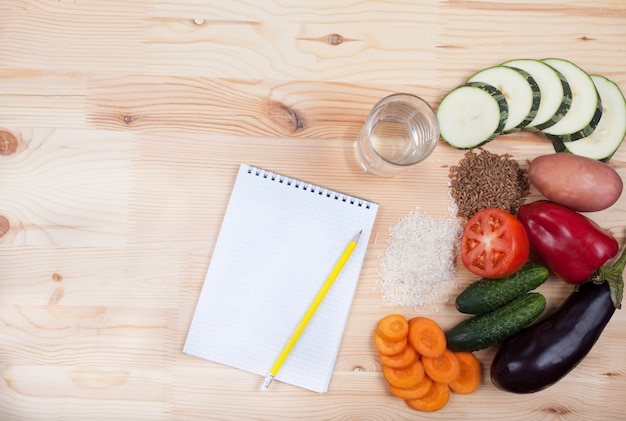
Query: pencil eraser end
267, 382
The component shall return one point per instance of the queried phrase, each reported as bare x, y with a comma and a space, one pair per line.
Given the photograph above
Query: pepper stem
613, 275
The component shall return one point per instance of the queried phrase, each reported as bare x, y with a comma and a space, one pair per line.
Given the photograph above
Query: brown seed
482, 180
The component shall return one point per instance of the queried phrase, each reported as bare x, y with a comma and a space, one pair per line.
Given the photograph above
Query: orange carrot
444, 369
470, 375
436, 398
404, 377
414, 392
403, 359
387, 347
393, 328
427, 337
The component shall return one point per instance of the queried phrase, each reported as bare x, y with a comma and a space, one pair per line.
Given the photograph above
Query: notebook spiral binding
313, 188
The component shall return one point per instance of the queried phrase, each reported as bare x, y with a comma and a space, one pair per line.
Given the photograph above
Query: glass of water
401, 130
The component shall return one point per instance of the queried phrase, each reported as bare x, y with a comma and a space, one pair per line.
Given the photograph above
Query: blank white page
279, 241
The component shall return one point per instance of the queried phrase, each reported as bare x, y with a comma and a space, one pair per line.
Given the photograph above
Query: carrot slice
427, 337
403, 359
415, 392
388, 347
436, 398
470, 375
444, 369
404, 377
393, 328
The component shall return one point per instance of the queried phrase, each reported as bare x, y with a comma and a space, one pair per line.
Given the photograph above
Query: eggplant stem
614, 276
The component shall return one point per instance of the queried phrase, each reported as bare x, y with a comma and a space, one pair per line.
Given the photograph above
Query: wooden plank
130, 119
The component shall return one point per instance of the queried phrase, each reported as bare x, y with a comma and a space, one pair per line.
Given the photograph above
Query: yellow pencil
311, 311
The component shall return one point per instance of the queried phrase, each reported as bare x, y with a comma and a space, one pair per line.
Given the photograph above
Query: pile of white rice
419, 264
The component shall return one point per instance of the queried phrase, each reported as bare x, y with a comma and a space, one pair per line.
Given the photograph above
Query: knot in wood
335, 39
8, 142
286, 117
57, 295
5, 225
612, 374
557, 409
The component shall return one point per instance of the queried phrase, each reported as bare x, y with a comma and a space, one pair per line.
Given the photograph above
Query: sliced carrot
470, 375
403, 359
393, 327
436, 398
404, 377
388, 347
414, 392
427, 337
444, 369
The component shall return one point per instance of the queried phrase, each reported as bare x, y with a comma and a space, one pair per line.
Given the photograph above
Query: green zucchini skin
536, 97
443, 113
561, 111
610, 131
574, 125
483, 330
486, 295
502, 104
545, 75
513, 84
587, 131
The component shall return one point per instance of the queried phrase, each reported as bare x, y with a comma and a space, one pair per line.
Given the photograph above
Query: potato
580, 183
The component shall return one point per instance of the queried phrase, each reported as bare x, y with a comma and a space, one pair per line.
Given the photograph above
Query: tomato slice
494, 244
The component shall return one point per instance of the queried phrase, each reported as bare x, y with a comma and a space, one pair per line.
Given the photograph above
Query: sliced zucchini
586, 108
472, 115
610, 132
556, 95
520, 90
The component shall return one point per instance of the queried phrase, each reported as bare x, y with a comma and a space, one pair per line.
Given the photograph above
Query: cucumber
586, 108
610, 132
556, 95
519, 89
488, 329
472, 115
486, 295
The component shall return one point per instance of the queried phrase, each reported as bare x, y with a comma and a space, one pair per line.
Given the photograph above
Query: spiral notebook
279, 240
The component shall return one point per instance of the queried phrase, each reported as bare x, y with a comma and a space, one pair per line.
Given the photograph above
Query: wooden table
123, 124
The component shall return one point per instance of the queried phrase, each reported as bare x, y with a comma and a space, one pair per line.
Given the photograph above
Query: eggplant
543, 353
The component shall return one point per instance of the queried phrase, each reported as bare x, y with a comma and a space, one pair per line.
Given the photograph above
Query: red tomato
494, 244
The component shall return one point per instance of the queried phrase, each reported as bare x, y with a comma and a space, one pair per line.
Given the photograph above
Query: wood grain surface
122, 125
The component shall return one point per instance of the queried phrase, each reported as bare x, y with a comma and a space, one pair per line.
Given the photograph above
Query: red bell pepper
571, 245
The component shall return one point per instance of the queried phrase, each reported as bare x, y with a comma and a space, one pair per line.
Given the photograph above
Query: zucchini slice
586, 109
556, 95
610, 132
520, 91
472, 115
